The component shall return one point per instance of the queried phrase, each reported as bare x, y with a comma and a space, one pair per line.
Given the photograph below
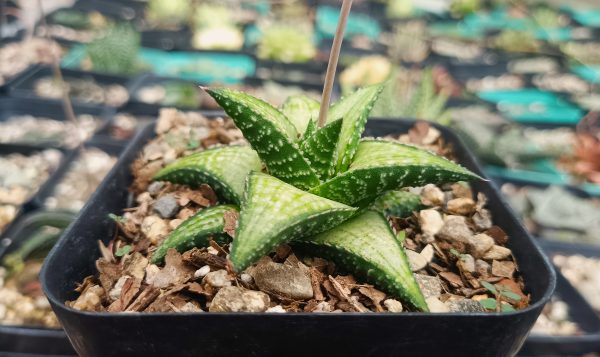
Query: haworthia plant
196, 231
274, 213
366, 245
301, 111
381, 165
224, 168
271, 134
319, 179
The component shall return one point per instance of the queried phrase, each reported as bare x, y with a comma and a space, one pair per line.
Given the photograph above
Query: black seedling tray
27, 206
5, 87
309, 72
52, 109
226, 334
30, 340
111, 147
24, 86
580, 311
167, 40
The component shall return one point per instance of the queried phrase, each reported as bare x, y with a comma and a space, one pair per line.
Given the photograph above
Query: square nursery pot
25, 340
51, 109
298, 334
579, 310
24, 86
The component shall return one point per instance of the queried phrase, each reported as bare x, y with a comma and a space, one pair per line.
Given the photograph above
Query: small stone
152, 271
115, 292
393, 305
467, 263
246, 278
217, 279
482, 219
503, 268
430, 285
482, 268
166, 206
143, 197
497, 253
479, 244
465, 305
155, 187
201, 273
286, 280
212, 250
431, 222
461, 206
435, 305
276, 309
175, 223
455, 228
323, 306
236, 299
431, 195
154, 228
427, 253
416, 260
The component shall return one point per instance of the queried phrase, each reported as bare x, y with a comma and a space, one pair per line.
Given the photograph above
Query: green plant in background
116, 52
285, 43
501, 293
545, 17
169, 13
409, 42
399, 100
399, 9
462, 8
315, 189
215, 28
517, 41
587, 53
180, 94
79, 20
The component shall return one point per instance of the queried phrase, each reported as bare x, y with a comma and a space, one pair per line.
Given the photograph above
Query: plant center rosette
289, 216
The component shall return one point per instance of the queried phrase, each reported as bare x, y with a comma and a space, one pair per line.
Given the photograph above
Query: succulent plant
409, 42
420, 103
461, 8
289, 44
115, 52
517, 41
323, 190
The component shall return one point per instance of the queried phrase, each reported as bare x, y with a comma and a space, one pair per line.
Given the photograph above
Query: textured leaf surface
223, 168
274, 213
270, 133
301, 110
366, 245
320, 147
381, 165
397, 203
354, 110
196, 231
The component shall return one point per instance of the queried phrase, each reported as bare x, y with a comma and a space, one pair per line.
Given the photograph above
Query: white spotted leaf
319, 149
301, 110
223, 168
274, 212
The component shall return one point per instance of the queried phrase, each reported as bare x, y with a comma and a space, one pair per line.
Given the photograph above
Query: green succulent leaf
397, 203
310, 129
196, 231
489, 303
366, 245
354, 111
274, 213
301, 110
223, 168
319, 149
271, 134
381, 165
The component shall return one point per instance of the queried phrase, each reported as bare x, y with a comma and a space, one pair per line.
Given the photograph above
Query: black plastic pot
47, 108
30, 340
27, 206
167, 40
301, 334
310, 72
24, 86
581, 313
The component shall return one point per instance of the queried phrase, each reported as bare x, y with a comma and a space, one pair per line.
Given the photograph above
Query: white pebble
200, 273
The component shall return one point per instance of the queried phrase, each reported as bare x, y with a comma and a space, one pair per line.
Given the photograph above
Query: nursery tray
166, 40
226, 334
24, 86
30, 203
29, 340
52, 109
309, 72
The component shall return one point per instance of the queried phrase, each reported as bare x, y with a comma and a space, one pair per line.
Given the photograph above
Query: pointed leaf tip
274, 213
